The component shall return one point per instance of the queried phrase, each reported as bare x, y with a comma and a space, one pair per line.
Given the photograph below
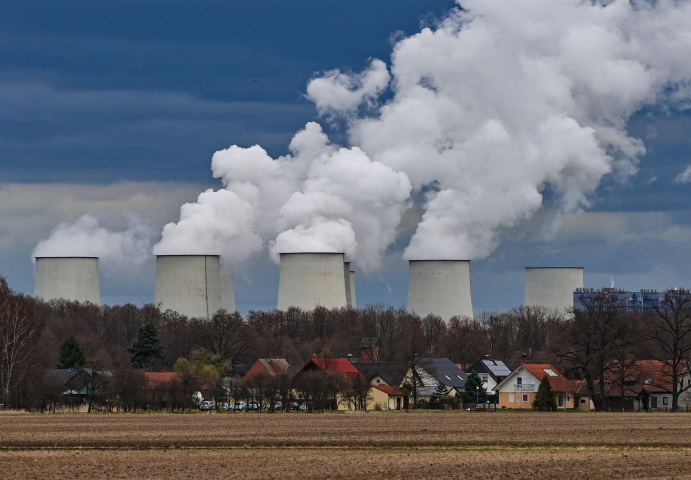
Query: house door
560, 401
398, 403
391, 404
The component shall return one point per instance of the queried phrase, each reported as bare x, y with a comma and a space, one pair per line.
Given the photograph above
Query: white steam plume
317, 199
116, 251
505, 97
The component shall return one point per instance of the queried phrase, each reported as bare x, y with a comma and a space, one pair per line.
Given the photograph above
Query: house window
665, 400
519, 381
485, 379
511, 398
560, 401
525, 398
377, 381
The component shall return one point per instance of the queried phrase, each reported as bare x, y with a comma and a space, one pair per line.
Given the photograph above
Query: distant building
646, 299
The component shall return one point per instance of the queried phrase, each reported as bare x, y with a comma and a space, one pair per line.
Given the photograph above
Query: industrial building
69, 278
439, 287
353, 300
189, 284
552, 287
309, 280
646, 299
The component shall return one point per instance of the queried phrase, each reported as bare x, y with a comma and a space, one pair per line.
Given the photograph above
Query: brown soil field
388, 445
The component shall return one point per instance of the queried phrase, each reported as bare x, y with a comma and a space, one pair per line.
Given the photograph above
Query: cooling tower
308, 280
189, 284
348, 289
441, 287
71, 278
552, 287
227, 290
353, 302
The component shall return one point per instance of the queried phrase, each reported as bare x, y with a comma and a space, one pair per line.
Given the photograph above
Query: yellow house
518, 390
385, 397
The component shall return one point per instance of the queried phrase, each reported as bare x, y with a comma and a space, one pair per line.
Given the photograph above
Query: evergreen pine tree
544, 399
71, 354
475, 388
147, 350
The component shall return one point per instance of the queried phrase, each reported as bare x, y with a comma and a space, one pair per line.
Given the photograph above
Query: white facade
353, 300
71, 278
441, 287
349, 291
308, 280
552, 287
189, 284
227, 290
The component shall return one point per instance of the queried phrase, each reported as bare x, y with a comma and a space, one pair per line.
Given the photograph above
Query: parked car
240, 406
225, 407
278, 405
207, 405
254, 406
294, 406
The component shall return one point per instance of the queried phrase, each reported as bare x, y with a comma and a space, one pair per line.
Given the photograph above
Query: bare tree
590, 338
465, 341
18, 334
225, 335
669, 330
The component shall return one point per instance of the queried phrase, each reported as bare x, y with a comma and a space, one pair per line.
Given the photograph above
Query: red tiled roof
537, 370
340, 365
389, 390
154, 379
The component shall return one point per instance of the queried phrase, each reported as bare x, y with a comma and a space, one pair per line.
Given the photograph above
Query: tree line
597, 344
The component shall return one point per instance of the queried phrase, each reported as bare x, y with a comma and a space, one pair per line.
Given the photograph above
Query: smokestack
552, 287
353, 302
441, 287
70, 278
189, 284
308, 280
348, 289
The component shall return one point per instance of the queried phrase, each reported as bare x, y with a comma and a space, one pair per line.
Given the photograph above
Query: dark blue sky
95, 93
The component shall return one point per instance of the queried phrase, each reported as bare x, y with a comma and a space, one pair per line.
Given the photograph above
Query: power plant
439, 287
227, 290
308, 280
552, 287
189, 284
346, 277
353, 302
70, 278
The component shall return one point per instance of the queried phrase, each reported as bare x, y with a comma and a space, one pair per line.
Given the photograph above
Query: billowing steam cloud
318, 199
500, 100
87, 238
508, 96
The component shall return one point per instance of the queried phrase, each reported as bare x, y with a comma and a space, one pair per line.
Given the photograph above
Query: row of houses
647, 383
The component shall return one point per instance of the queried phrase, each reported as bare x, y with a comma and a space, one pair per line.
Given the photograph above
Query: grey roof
445, 371
392, 373
497, 367
291, 371
240, 369
369, 342
63, 374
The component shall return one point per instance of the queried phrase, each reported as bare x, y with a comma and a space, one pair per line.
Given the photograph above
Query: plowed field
386, 445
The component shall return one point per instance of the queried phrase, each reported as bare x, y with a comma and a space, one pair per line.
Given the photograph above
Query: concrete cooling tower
308, 280
71, 278
441, 287
227, 290
189, 284
552, 287
353, 302
348, 288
